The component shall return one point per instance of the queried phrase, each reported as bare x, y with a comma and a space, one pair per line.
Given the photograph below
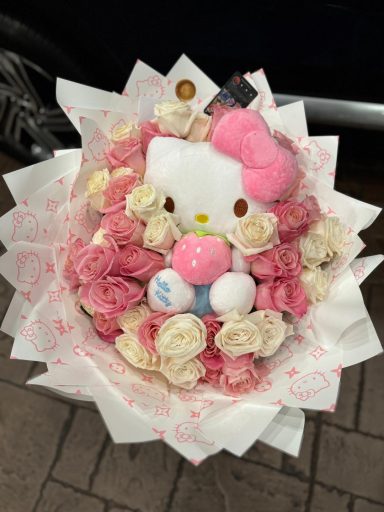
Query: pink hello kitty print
189, 432
98, 145
28, 267
151, 87
308, 386
25, 227
40, 335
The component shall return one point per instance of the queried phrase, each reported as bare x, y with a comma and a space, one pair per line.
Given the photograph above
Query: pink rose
127, 153
112, 295
123, 229
212, 376
118, 188
69, 271
239, 362
238, 382
107, 328
281, 261
284, 294
93, 262
149, 328
149, 130
211, 356
295, 217
139, 263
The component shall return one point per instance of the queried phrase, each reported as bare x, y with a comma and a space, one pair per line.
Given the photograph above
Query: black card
237, 92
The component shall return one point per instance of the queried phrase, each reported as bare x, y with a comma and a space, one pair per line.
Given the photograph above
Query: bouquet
191, 268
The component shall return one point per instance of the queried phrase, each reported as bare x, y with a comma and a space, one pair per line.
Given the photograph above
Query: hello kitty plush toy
209, 186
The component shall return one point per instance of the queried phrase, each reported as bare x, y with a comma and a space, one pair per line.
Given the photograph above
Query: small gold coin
185, 90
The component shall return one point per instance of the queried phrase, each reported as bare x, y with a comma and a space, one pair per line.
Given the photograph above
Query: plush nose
201, 218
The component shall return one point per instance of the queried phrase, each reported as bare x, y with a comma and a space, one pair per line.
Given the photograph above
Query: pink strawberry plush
269, 170
201, 260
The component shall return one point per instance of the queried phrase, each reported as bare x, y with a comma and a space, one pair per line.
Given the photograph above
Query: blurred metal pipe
353, 114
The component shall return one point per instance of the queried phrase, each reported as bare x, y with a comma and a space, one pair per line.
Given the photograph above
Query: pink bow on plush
269, 170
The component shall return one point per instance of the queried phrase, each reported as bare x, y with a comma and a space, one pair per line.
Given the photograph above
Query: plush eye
169, 205
240, 208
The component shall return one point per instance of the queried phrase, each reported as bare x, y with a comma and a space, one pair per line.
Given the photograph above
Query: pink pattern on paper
148, 392
162, 411
80, 352
40, 335
52, 206
98, 145
59, 326
318, 155
118, 368
338, 370
54, 296
151, 87
283, 354
25, 227
50, 268
189, 432
318, 352
191, 396
26, 295
160, 433
87, 218
263, 386
359, 272
28, 267
308, 386
292, 372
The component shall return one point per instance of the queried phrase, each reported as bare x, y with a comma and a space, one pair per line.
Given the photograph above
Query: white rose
129, 347
184, 375
121, 171
125, 131
200, 128
174, 117
97, 182
334, 234
144, 202
316, 283
273, 332
181, 337
313, 250
133, 318
161, 232
238, 337
255, 233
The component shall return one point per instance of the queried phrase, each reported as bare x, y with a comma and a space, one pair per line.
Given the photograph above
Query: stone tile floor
56, 455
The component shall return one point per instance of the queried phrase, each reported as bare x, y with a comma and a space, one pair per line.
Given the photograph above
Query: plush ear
233, 127
258, 149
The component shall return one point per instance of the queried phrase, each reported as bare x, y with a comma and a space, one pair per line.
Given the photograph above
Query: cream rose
144, 202
97, 182
125, 131
174, 117
238, 337
133, 318
273, 332
184, 375
255, 233
129, 347
316, 283
161, 232
334, 233
313, 250
121, 171
181, 337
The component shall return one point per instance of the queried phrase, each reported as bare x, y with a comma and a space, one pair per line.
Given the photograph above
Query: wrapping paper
138, 406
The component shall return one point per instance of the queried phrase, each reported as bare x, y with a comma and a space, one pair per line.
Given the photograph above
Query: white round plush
238, 262
169, 293
233, 290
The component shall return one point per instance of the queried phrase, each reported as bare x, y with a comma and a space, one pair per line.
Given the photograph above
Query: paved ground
56, 456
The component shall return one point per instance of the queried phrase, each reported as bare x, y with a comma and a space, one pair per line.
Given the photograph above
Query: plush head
268, 169
203, 185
